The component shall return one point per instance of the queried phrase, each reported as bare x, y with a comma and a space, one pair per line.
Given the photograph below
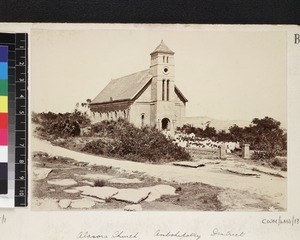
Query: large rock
41, 173
62, 182
165, 189
189, 164
242, 172
71, 191
124, 180
64, 203
132, 195
94, 199
88, 182
82, 203
97, 176
154, 194
157, 191
270, 171
133, 207
100, 192
82, 188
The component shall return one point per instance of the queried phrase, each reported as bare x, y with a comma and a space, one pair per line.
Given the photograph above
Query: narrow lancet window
163, 90
143, 119
168, 90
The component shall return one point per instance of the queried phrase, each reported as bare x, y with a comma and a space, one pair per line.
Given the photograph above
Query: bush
35, 117
280, 163
276, 163
99, 183
61, 125
99, 147
260, 155
284, 167
137, 144
264, 136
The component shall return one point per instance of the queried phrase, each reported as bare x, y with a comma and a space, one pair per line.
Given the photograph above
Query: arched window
167, 59
168, 89
142, 119
163, 58
163, 90
116, 115
124, 114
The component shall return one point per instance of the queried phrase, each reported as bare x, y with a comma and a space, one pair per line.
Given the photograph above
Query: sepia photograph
158, 119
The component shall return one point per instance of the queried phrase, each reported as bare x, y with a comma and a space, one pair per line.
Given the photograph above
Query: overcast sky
225, 75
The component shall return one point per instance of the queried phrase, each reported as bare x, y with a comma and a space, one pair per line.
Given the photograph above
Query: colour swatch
3, 119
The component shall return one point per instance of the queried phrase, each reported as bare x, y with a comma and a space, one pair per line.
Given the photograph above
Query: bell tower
162, 70
162, 88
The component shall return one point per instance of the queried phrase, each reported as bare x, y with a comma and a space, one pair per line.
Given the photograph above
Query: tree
210, 132
237, 133
266, 135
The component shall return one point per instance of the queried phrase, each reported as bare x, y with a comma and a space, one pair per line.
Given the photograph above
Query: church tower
163, 88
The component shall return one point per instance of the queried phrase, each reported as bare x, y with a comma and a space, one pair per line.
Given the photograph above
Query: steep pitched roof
124, 88
162, 48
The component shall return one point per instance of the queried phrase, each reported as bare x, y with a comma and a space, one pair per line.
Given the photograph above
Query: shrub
276, 163
61, 125
99, 147
136, 144
35, 117
260, 155
265, 136
99, 183
284, 167
280, 163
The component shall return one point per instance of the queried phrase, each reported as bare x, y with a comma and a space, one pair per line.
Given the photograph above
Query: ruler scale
17, 119
21, 99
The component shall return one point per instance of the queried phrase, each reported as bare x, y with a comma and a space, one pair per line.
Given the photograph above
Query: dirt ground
209, 188
191, 196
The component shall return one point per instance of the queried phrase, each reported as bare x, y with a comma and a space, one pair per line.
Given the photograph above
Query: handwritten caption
160, 234
214, 233
281, 221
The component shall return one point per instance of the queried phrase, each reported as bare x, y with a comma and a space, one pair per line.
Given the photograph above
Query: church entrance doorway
165, 124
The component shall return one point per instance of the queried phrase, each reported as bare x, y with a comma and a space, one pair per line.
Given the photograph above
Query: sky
226, 75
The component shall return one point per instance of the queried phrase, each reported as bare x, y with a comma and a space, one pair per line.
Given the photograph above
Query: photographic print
158, 119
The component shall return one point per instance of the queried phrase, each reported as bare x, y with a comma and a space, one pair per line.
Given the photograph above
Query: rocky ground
64, 180
63, 183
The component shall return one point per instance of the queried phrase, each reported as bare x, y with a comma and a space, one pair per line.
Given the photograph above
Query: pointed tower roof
162, 48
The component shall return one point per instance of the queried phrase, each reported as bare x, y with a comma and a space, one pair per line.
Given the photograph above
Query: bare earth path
270, 188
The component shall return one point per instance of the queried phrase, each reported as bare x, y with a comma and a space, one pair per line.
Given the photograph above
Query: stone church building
149, 97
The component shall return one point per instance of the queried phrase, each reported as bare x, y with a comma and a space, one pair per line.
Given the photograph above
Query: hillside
201, 122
